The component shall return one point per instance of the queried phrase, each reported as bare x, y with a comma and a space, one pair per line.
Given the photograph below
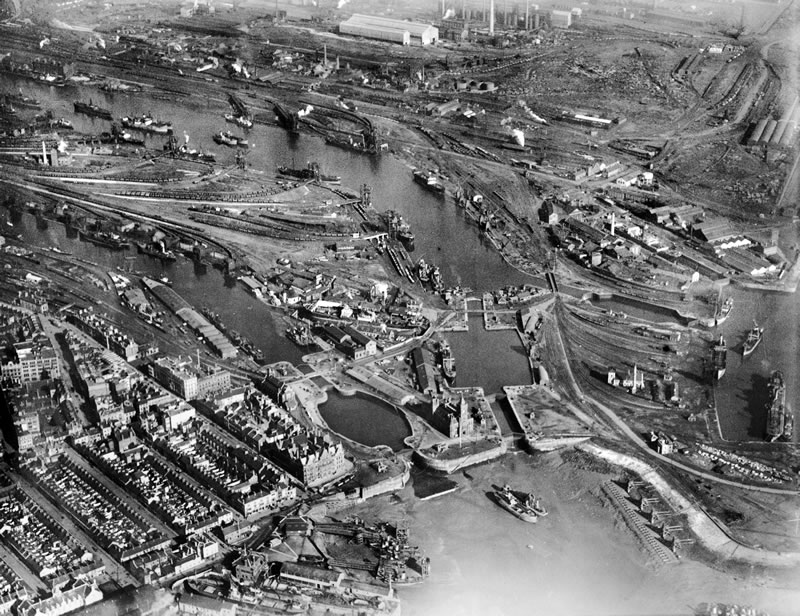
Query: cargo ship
102, 238
229, 139
429, 181
447, 361
400, 229
754, 337
20, 100
120, 136
186, 153
156, 251
91, 109
310, 172
347, 143
776, 409
788, 425
523, 505
719, 357
147, 124
239, 120
423, 271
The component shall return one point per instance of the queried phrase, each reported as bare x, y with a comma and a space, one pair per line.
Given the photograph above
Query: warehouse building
393, 30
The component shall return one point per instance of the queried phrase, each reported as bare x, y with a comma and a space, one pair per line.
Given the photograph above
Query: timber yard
370, 307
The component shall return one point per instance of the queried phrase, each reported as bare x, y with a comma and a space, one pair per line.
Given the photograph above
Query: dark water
209, 287
489, 359
742, 393
443, 235
365, 419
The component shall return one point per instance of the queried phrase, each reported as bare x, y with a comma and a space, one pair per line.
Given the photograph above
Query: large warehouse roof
417, 30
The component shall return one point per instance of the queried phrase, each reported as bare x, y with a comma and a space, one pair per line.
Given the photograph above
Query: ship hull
95, 112
524, 513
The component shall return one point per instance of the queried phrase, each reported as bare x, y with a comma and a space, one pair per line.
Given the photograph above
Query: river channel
444, 237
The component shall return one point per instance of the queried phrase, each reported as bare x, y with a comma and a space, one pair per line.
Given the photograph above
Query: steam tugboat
754, 337
448, 361
430, 181
525, 506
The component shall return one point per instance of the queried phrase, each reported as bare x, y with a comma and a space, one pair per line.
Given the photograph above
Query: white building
561, 19
393, 30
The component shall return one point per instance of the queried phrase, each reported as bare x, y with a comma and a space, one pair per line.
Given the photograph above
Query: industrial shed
394, 30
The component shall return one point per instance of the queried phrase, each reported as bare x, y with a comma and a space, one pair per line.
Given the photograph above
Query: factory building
393, 30
561, 19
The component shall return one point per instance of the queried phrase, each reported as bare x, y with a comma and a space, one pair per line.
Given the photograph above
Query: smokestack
491, 17
527, 14
324, 55
464, 9
613, 223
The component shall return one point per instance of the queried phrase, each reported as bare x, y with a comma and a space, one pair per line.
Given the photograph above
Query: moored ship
147, 124
311, 171
724, 311
776, 410
193, 154
20, 100
156, 250
229, 139
91, 109
103, 238
719, 357
242, 121
448, 361
754, 337
400, 229
429, 181
525, 506
300, 335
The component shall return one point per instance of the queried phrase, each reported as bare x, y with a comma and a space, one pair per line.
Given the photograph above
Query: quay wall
454, 464
709, 532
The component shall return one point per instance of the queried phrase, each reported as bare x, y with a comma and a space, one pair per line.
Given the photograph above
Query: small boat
754, 337
525, 506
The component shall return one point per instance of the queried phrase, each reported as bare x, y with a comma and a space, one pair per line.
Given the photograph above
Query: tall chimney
527, 14
324, 55
491, 17
613, 223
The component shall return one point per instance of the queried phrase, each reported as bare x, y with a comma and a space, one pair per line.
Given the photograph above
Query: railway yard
611, 190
